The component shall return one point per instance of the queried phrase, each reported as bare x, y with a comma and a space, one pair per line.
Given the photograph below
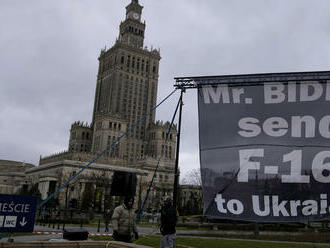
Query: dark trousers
106, 227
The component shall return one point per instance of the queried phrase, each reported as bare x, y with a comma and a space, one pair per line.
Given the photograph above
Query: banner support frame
176, 175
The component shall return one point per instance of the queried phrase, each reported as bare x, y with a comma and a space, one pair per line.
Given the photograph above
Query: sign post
17, 213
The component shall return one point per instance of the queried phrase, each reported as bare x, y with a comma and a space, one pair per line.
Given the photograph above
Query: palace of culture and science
126, 90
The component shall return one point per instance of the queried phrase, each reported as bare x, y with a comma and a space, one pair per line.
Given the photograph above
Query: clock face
135, 16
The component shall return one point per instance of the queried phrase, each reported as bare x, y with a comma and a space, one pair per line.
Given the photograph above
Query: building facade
126, 91
191, 199
12, 176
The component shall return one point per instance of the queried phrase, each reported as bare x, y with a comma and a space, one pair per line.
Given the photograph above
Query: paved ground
149, 230
142, 230
34, 237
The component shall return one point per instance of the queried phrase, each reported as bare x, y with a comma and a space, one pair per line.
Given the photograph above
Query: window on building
128, 60
166, 149
142, 151
98, 125
97, 143
73, 135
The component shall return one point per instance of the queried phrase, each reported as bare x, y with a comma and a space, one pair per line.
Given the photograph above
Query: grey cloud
49, 53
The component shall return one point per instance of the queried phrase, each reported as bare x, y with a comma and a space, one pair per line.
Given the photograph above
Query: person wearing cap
123, 221
168, 220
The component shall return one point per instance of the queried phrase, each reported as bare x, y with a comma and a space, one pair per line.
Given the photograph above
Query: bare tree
193, 177
101, 191
191, 195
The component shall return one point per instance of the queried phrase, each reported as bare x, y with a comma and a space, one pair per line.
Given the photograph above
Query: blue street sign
17, 213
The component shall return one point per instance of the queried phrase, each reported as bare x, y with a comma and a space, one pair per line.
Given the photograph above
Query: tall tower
132, 29
126, 89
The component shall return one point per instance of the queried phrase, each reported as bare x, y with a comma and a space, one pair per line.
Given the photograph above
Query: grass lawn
187, 242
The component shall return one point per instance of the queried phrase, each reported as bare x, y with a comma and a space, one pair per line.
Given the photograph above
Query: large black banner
265, 147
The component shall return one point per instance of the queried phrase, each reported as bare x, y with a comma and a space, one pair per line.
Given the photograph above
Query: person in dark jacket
168, 220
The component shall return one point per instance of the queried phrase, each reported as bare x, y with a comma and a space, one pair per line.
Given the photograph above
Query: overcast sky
49, 50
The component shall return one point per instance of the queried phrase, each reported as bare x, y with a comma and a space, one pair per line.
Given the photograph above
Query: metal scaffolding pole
176, 174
